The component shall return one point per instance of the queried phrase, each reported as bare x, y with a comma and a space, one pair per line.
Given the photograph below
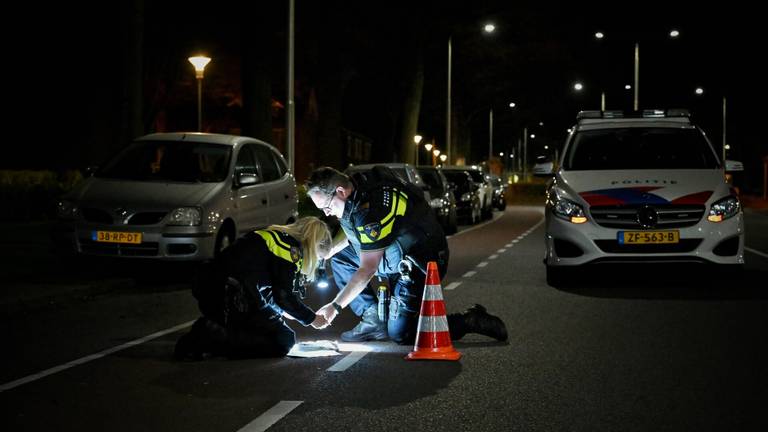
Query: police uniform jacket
262, 272
386, 213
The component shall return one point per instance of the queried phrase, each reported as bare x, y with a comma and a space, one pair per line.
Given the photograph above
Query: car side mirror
733, 166
247, 179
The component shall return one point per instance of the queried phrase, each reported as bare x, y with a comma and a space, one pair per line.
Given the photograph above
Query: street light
199, 62
673, 34
417, 139
488, 28
700, 91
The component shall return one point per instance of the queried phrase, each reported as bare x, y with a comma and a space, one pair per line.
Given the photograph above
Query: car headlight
67, 210
724, 209
466, 196
567, 209
436, 203
187, 216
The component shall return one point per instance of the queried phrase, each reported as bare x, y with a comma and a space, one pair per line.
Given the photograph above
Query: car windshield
459, 178
432, 179
639, 148
169, 161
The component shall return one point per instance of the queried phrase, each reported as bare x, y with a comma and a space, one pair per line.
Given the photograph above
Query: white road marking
495, 218
508, 245
271, 416
86, 359
452, 285
492, 257
756, 252
516, 240
482, 264
469, 274
347, 361
501, 251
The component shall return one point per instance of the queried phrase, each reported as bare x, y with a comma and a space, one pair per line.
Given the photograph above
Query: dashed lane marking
271, 416
347, 361
482, 264
469, 274
452, 285
501, 251
493, 257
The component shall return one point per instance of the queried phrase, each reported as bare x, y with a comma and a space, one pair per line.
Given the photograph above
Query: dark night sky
538, 51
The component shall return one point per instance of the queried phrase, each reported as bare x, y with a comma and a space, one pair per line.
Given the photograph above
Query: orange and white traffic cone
433, 340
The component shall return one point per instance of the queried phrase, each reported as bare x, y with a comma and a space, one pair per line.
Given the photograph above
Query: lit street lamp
416, 139
199, 62
488, 28
700, 91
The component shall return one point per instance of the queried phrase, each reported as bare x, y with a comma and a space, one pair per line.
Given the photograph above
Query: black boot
478, 320
368, 329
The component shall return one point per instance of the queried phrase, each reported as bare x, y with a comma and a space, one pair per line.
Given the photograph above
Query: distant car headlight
466, 197
436, 203
724, 209
187, 216
67, 210
567, 209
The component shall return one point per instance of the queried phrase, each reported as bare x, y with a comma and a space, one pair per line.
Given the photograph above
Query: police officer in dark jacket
252, 286
391, 231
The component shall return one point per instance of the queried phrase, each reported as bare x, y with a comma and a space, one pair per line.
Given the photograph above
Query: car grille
613, 246
115, 249
147, 218
96, 216
669, 216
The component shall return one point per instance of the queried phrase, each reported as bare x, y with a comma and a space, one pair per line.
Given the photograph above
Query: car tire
502, 205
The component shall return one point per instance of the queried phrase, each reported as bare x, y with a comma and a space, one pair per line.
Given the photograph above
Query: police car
639, 187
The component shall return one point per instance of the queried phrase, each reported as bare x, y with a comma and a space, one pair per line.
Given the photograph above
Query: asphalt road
671, 348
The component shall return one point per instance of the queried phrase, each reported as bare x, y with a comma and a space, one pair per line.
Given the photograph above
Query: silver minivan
177, 197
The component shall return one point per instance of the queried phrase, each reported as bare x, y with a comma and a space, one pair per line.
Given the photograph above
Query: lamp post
700, 91
488, 28
416, 140
199, 62
673, 34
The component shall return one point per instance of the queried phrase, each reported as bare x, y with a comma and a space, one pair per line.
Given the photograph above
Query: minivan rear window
639, 148
169, 161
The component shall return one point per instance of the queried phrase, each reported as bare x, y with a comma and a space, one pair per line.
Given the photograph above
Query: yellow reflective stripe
401, 206
271, 240
365, 239
280, 241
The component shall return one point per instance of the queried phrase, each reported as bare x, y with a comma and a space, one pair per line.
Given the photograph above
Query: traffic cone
433, 340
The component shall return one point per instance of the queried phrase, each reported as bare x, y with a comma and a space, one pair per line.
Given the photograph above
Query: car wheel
502, 205
224, 238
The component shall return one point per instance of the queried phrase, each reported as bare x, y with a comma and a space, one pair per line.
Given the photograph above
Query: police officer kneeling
390, 230
252, 286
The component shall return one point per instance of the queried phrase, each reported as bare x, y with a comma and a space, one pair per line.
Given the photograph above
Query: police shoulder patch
295, 254
372, 230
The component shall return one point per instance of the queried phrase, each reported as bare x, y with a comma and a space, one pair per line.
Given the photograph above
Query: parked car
465, 191
640, 187
484, 191
406, 172
499, 192
177, 196
443, 201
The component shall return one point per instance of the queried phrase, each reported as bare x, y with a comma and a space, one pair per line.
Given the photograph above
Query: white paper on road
318, 348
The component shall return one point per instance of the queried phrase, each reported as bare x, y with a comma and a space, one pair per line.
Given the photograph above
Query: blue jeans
405, 300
